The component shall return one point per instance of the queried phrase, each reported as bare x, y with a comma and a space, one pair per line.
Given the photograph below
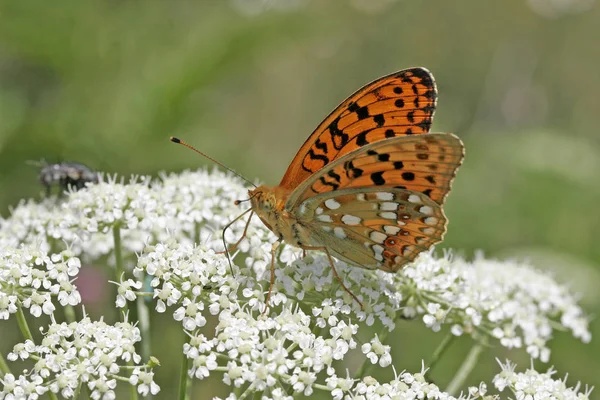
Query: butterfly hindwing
374, 228
424, 164
399, 104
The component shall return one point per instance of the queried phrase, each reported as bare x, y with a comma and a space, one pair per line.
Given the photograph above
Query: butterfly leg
273, 249
335, 274
235, 245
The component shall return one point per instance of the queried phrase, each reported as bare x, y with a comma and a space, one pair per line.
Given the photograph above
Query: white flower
125, 292
519, 305
83, 352
536, 385
376, 351
35, 278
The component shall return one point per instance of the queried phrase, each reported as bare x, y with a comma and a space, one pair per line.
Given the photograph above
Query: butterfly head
268, 203
262, 199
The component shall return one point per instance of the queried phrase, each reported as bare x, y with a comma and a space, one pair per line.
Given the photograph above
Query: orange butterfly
368, 185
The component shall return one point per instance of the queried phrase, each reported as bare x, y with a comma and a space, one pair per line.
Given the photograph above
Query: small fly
66, 175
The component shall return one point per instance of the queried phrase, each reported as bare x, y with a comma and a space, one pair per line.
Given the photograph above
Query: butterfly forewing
374, 228
424, 164
399, 104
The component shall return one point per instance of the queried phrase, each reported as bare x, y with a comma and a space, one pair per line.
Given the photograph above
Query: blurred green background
107, 82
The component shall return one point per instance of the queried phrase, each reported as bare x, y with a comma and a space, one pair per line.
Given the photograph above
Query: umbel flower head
169, 231
30, 278
84, 352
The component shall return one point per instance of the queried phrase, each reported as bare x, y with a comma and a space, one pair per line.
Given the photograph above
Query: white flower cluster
85, 352
509, 301
537, 385
30, 277
174, 226
255, 349
191, 207
41, 224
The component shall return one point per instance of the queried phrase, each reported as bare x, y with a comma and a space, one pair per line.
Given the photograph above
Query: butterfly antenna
189, 146
238, 202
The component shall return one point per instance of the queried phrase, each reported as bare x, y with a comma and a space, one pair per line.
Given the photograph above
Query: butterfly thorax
269, 204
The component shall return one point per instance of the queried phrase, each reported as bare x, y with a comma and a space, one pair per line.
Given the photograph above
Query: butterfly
368, 185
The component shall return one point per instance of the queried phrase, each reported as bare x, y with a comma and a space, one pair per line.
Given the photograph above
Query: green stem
119, 260
4, 368
144, 319
70, 313
196, 232
52, 395
23, 324
440, 350
133, 394
465, 369
246, 392
184, 380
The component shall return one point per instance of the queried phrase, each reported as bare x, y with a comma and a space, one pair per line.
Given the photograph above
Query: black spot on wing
408, 176
361, 139
338, 137
313, 156
377, 178
383, 157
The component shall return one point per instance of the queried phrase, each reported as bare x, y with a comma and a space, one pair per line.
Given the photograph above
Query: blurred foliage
107, 82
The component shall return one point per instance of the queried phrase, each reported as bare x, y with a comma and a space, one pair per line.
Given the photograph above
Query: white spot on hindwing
391, 230
326, 228
388, 215
431, 220
332, 204
350, 219
377, 237
302, 208
413, 198
426, 210
428, 231
384, 196
319, 210
378, 250
339, 232
324, 218
388, 206
361, 197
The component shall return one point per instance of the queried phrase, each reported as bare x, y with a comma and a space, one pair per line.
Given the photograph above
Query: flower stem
184, 381
440, 350
118, 260
133, 394
23, 324
465, 369
69, 313
144, 319
4, 368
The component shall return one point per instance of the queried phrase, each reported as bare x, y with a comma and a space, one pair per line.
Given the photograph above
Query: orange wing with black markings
424, 164
399, 104
380, 205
